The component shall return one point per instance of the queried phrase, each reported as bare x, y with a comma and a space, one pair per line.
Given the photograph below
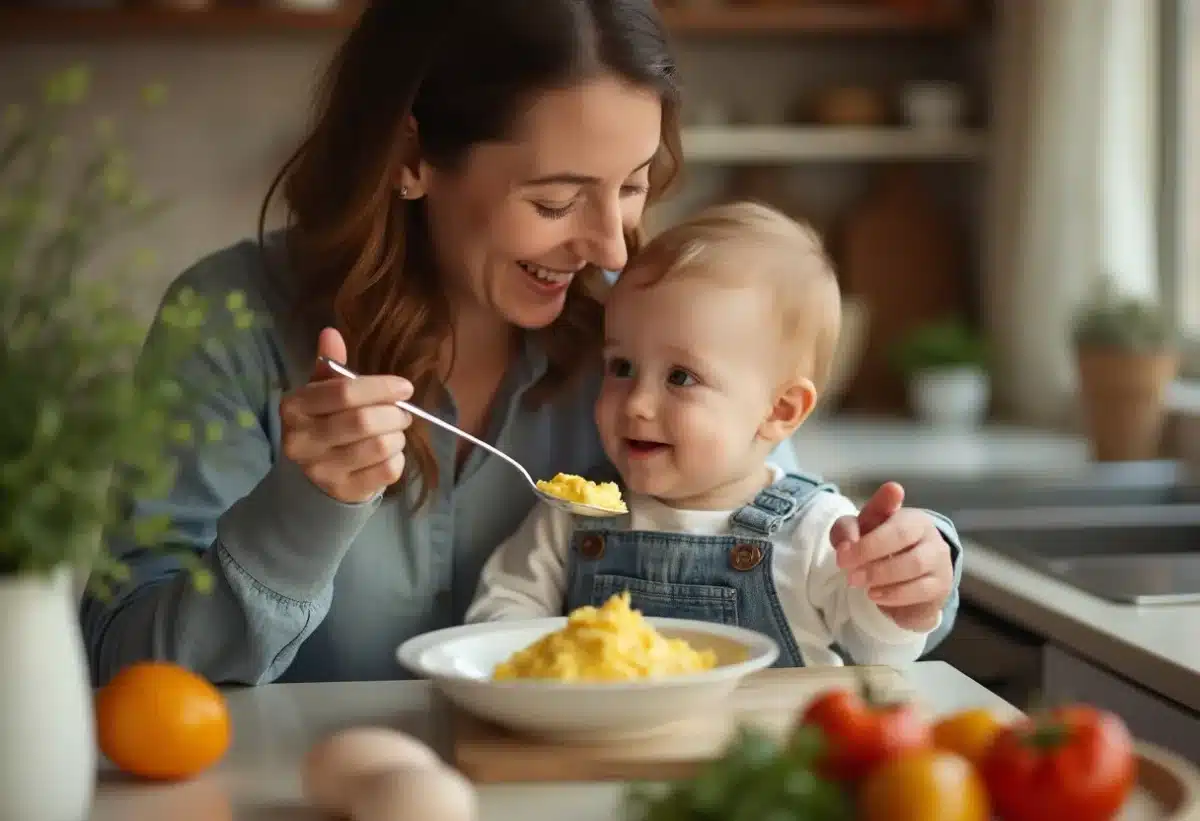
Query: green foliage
950, 343
754, 779
86, 425
1112, 320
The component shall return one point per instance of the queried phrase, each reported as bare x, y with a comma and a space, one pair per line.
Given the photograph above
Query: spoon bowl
577, 508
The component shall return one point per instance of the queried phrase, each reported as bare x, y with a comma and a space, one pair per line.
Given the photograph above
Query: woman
468, 179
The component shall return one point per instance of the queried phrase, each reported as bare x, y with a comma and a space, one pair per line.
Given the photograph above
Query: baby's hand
899, 556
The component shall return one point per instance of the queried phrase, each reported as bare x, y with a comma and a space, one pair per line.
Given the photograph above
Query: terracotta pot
1122, 396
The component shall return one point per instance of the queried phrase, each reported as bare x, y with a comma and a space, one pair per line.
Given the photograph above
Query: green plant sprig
755, 778
89, 421
949, 343
1111, 320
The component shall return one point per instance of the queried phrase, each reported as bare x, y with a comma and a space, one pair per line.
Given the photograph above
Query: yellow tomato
969, 733
923, 786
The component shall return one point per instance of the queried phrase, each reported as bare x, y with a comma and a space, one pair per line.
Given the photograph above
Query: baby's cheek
710, 443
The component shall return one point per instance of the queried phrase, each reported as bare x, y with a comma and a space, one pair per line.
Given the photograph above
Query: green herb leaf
1115, 321
949, 343
754, 779
92, 426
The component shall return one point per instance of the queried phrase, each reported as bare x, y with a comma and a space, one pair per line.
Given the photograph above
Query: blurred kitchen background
978, 170
975, 166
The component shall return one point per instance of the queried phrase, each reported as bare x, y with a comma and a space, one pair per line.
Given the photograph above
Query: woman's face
519, 219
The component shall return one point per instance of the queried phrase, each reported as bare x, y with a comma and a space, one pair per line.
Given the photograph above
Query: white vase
951, 398
47, 731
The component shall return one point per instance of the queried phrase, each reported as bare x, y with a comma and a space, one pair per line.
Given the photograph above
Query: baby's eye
680, 378
620, 368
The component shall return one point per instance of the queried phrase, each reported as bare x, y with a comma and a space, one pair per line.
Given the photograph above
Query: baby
719, 339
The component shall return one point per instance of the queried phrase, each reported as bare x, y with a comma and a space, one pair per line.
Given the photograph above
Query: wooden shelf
812, 18
42, 24
751, 145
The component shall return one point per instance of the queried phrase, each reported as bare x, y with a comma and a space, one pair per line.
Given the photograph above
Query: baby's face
691, 370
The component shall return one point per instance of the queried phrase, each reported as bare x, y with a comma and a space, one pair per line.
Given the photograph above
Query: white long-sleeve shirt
527, 577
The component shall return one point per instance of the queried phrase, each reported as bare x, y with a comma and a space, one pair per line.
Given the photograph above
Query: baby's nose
641, 403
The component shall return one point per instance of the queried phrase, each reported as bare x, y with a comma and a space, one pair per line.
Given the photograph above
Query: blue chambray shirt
307, 588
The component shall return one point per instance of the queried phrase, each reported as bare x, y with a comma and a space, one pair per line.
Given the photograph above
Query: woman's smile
546, 280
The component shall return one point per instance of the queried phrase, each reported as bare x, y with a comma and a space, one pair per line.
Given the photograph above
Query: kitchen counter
275, 725
843, 448
1157, 647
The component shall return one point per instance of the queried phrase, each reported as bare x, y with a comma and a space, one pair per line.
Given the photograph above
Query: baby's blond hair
744, 244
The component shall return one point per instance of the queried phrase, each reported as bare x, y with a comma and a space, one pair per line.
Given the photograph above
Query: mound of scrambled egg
609, 643
577, 489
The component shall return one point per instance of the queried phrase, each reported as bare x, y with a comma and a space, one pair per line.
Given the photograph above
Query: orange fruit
161, 721
969, 733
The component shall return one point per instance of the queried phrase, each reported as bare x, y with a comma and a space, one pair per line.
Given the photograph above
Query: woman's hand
346, 434
899, 556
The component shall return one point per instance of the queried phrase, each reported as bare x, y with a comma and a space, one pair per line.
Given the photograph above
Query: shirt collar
532, 362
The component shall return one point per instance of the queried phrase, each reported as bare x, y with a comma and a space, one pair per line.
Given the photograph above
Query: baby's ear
793, 404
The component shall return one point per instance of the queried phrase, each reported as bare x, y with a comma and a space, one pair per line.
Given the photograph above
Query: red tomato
1076, 762
861, 734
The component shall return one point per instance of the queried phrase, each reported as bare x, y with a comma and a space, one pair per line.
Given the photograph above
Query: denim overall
722, 579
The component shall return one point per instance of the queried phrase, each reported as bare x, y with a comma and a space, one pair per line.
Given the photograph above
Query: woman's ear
794, 402
412, 178
411, 182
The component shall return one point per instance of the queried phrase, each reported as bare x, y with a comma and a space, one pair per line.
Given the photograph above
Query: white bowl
935, 107
459, 661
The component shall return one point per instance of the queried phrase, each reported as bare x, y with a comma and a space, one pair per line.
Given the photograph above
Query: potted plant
1126, 356
82, 431
945, 366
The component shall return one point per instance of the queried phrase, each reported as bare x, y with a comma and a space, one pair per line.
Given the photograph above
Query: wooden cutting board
770, 700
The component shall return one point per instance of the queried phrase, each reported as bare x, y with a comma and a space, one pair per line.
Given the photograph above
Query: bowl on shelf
933, 107
459, 662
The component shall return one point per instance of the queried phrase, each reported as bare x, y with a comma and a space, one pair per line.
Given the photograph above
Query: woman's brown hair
464, 71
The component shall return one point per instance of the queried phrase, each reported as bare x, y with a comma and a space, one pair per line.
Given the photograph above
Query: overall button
591, 547
745, 557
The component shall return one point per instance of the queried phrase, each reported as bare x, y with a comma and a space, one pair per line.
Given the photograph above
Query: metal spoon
577, 508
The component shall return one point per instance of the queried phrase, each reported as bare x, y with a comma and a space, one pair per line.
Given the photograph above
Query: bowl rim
762, 652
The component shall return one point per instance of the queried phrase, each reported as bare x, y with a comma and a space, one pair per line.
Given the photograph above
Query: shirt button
745, 557
591, 546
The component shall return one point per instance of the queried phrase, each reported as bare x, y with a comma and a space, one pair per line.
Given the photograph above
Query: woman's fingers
347, 434
350, 426
381, 475
338, 463
331, 344
336, 395
312, 439
358, 471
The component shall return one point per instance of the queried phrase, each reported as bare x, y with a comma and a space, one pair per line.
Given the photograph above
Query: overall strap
775, 505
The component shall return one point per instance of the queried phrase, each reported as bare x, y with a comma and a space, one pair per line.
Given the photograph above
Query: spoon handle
342, 370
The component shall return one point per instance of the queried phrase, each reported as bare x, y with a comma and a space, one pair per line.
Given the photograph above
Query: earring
404, 192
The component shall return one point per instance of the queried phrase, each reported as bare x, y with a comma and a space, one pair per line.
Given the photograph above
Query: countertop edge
1124, 658
850, 450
